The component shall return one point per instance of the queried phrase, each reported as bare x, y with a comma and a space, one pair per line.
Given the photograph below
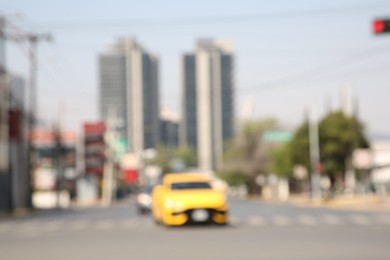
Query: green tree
187, 155
339, 136
281, 160
163, 158
247, 155
166, 155
300, 146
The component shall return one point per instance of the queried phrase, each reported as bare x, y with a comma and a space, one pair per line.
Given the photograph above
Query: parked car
188, 198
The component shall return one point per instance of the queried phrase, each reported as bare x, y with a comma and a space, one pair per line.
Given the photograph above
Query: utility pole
3, 101
5, 178
59, 155
109, 175
33, 40
314, 157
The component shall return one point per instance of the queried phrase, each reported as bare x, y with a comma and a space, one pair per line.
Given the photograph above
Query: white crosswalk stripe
27, 227
332, 220
104, 225
150, 224
308, 220
34, 228
383, 219
128, 224
4, 228
360, 220
234, 220
52, 226
28, 230
281, 220
78, 225
256, 221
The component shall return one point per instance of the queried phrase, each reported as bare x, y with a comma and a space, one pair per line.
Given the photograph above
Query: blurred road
257, 231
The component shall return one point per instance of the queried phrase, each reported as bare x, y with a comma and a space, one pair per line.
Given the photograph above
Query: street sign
277, 136
120, 147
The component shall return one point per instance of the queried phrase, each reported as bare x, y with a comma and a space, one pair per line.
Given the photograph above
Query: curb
366, 203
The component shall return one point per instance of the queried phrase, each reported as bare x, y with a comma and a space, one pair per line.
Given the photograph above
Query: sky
289, 54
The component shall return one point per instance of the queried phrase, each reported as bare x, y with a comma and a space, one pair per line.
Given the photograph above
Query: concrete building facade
129, 93
207, 100
169, 129
14, 174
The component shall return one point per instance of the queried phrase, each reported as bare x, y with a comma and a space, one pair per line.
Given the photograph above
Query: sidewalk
357, 202
32, 212
73, 207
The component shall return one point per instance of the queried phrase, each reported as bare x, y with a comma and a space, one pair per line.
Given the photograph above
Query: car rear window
190, 185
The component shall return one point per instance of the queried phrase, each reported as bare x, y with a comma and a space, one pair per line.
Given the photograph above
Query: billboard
94, 148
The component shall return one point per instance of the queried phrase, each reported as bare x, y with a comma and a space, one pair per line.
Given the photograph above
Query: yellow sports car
188, 198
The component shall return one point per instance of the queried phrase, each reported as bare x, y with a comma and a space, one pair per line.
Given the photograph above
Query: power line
318, 71
309, 83
215, 19
382, 68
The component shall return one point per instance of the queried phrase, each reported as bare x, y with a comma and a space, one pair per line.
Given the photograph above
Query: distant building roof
210, 44
168, 114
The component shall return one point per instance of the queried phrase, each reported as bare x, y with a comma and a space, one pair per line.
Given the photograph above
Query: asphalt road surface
257, 231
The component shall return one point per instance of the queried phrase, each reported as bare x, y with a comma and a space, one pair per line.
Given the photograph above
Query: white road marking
282, 220
4, 228
384, 219
332, 220
256, 221
34, 228
307, 220
150, 224
128, 224
27, 227
104, 225
234, 220
28, 233
125, 206
78, 225
360, 220
52, 226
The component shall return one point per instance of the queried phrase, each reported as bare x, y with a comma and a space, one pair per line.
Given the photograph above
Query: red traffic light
381, 26
378, 26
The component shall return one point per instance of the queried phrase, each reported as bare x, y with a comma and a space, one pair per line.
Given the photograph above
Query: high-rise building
129, 93
207, 100
169, 129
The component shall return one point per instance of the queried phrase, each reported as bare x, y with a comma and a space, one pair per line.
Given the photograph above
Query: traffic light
381, 26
